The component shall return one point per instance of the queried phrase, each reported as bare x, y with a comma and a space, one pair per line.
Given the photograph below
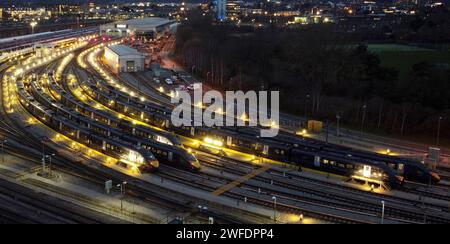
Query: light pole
338, 117
33, 24
382, 212
3, 150
274, 198
201, 208
50, 159
306, 108
438, 131
122, 193
363, 118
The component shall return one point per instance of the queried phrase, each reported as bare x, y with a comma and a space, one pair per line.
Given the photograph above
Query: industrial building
122, 58
150, 28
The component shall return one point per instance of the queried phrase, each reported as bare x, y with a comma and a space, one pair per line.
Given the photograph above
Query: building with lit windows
142, 27
234, 10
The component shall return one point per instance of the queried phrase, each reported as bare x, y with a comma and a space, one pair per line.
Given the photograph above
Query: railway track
57, 209
136, 188
181, 176
92, 75
404, 213
314, 194
322, 183
136, 191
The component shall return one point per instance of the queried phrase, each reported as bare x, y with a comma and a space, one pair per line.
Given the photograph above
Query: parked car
169, 81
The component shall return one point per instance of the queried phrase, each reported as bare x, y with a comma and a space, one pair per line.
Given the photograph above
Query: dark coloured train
286, 148
165, 146
131, 155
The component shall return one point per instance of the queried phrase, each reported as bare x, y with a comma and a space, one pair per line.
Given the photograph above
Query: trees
318, 62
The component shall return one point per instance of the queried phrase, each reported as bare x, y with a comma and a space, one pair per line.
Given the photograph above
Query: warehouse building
150, 28
121, 58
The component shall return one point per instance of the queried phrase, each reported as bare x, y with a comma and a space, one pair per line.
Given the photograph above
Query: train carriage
279, 148
174, 156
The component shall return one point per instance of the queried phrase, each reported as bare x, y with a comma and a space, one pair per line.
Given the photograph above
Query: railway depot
149, 28
121, 58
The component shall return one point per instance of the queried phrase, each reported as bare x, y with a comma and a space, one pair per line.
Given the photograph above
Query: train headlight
154, 163
195, 164
435, 176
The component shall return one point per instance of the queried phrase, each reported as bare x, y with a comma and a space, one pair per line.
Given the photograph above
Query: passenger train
127, 153
24, 44
286, 148
166, 150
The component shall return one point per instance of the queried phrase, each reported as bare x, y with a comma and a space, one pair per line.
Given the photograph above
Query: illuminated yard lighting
274, 124
244, 117
213, 142
367, 171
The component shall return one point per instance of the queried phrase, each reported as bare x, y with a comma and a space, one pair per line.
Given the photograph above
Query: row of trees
318, 73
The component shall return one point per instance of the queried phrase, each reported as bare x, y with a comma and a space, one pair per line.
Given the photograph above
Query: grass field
402, 57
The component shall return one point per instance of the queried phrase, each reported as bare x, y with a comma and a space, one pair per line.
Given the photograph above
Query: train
129, 127
285, 148
165, 146
127, 153
296, 150
10, 47
51, 36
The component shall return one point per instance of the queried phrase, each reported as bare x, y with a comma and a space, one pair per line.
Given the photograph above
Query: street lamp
274, 198
122, 193
3, 150
200, 207
33, 24
382, 212
50, 158
438, 131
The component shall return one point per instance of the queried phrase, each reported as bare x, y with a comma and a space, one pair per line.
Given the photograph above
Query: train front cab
151, 163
